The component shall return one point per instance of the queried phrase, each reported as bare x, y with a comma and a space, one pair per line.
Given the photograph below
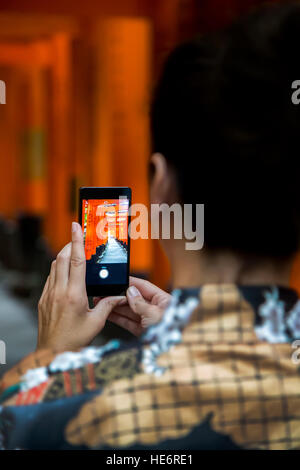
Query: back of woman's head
223, 117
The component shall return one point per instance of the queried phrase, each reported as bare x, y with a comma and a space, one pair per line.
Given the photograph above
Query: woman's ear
162, 182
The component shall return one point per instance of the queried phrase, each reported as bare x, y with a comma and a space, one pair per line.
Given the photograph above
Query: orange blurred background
79, 77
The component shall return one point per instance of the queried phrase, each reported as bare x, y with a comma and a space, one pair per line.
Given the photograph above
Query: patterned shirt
220, 371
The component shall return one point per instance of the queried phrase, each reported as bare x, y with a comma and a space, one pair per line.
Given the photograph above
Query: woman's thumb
136, 301
150, 314
105, 306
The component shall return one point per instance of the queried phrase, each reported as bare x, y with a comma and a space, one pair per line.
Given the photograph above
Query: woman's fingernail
133, 291
74, 226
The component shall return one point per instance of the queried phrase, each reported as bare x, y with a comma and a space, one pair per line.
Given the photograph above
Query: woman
213, 366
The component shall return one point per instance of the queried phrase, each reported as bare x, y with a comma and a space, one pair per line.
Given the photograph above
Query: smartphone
104, 217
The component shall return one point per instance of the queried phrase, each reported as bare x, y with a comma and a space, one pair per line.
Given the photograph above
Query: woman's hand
65, 320
146, 306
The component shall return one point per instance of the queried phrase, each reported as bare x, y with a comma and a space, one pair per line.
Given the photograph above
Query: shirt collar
232, 313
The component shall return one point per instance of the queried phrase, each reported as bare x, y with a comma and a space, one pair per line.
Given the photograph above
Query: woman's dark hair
223, 117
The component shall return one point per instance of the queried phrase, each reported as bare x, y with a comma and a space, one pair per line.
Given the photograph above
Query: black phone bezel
106, 193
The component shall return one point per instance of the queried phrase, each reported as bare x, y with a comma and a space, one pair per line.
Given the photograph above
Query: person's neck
192, 269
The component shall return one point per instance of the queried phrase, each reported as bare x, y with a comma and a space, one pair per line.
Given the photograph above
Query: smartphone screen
104, 217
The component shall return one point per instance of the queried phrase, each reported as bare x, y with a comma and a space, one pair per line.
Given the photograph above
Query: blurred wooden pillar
81, 144
60, 159
33, 188
24, 130
9, 171
121, 127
